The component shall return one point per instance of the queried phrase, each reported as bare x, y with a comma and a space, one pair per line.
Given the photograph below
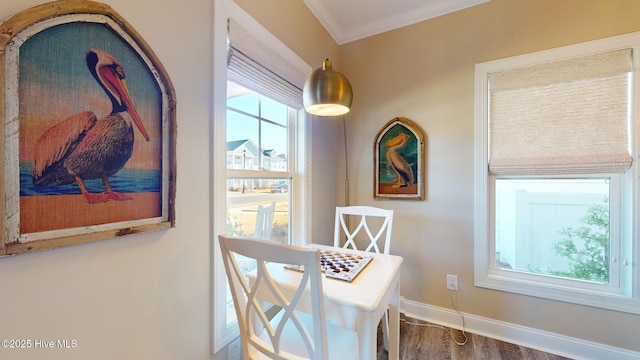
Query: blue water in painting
125, 181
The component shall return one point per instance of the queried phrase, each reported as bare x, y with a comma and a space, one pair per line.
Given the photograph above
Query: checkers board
339, 265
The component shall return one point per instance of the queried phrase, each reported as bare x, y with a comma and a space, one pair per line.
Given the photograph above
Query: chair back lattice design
365, 215
264, 336
264, 221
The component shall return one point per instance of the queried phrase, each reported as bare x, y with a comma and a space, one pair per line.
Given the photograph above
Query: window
258, 132
555, 178
259, 146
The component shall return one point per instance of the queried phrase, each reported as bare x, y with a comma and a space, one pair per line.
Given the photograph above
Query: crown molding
346, 22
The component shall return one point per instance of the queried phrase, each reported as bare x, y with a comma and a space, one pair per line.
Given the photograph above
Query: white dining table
359, 305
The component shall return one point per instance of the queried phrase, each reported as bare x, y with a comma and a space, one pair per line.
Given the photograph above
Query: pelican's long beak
132, 110
402, 137
119, 86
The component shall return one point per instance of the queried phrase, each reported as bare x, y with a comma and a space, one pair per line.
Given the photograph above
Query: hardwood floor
430, 343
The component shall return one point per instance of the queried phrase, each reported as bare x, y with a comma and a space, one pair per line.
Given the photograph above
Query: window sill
610, 301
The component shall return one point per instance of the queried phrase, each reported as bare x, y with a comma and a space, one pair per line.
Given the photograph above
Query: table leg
385, 330
367, 336
394, 323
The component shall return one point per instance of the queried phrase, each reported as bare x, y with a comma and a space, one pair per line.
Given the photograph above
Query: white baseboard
520, 335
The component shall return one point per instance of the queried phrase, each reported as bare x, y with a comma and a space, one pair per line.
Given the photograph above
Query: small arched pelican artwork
402, 169
399, 163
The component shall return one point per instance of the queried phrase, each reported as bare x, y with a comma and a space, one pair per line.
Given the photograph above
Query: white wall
143, 296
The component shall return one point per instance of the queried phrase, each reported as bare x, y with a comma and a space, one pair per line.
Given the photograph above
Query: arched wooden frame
399, 161
34, 221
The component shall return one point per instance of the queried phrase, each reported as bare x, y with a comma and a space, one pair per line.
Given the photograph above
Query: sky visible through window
244, 125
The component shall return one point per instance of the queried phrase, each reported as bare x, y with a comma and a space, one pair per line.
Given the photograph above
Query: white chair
376, 223
365, 216
289, 334
264, 222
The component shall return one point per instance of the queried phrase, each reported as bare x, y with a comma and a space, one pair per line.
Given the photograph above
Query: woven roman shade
255, 66
563, 117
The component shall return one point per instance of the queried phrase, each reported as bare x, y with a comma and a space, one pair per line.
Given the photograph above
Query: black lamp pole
244, 165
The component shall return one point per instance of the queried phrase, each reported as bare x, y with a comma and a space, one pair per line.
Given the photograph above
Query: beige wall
425, 72
144, 296
293, 23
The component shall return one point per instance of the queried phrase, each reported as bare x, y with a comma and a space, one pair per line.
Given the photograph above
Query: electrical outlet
452, 282
234, 350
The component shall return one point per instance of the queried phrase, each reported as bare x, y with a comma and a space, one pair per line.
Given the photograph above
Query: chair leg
385, 330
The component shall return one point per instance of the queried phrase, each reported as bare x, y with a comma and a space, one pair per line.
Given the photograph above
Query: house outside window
556, 174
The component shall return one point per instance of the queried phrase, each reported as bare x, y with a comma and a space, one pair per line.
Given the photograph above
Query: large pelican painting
83, 147
89, 128
399, 161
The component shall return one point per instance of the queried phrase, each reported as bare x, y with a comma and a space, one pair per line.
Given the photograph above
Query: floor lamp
328, 93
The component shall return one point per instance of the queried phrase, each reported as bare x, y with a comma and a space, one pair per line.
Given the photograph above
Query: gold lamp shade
327, 92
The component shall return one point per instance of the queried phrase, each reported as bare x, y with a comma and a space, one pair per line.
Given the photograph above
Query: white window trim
222, 334
488, 276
